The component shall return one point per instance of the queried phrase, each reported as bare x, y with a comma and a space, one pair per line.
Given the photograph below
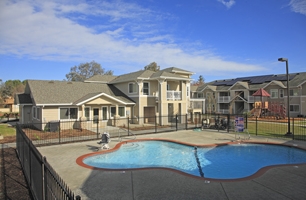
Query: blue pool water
222, 162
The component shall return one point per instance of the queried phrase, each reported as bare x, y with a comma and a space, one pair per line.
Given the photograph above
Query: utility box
54, 126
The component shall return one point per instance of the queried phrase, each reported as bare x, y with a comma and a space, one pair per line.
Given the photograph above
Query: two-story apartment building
102, 99
236, 95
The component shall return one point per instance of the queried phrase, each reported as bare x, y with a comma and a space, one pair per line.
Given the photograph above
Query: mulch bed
13, 184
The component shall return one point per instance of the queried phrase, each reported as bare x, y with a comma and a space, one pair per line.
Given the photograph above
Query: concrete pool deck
285, 182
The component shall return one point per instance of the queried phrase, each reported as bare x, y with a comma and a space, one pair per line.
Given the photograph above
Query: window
281, 93
293, 92
68, 113
187, 91
145, 89
113, 111
87, 115
274, 93
200, 95
121, 111
36, 112
104, 113
132, 88
294, 108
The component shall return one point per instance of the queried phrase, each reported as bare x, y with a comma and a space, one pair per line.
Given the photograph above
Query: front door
95, 116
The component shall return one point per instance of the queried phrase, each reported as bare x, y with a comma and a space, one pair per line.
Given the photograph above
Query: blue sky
218, 39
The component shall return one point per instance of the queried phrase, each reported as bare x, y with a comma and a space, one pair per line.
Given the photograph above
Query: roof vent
51, 81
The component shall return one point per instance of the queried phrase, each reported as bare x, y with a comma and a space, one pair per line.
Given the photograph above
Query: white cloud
298, 6
56, 31
227, 3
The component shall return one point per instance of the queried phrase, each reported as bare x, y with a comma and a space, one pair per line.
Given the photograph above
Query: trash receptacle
54, 126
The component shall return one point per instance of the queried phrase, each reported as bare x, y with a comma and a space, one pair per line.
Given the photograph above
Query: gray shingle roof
257, 82
142, 74
175, 69
101, 78
63, 92
148, 74
23, 99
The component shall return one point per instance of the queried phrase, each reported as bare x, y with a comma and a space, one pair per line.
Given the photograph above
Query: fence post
186, 118
228, 122
97, 128
218, 122
293, 128
155, 124
256, 126
59, 131
176, 122
246, 121
128, 123
45, 177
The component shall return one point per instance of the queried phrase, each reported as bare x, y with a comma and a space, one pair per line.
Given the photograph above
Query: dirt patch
13, 184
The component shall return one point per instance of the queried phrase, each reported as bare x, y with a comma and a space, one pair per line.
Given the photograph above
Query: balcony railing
174, 95
251, 99
223, 111
196, 104
224, 99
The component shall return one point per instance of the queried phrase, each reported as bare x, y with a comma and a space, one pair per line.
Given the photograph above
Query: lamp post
288, 93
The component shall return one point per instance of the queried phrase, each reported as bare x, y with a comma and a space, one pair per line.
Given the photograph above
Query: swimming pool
231, 161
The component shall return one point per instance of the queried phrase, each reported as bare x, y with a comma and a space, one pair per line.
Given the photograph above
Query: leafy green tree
201, 80
85, 71
152, 66
10, 88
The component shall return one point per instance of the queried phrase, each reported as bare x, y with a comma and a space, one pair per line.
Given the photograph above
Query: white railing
196, 103
174, 95
251, 99
223, 111
224, 99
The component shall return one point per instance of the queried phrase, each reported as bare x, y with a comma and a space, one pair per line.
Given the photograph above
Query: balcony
251, 99
224, 99
223, 111
174, 95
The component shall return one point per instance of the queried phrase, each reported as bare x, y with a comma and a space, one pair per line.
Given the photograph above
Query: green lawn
7, 130
276, 129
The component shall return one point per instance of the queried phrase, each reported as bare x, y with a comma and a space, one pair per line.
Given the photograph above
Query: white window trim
271, 92
89, 112
34, 112
292, 91
107, 113
188, 91
59, 114
124, 111
279, 93
148, 88
110, 113
134, 84
295, 105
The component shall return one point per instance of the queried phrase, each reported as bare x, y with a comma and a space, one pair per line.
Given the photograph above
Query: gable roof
23, 99
177, 70
142, 74
151, 75
71, 93
101, 78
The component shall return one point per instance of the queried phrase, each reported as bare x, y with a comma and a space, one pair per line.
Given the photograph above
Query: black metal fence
43, 181
58, 132
268, 127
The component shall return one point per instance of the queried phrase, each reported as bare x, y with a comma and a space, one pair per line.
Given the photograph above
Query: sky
217, 39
